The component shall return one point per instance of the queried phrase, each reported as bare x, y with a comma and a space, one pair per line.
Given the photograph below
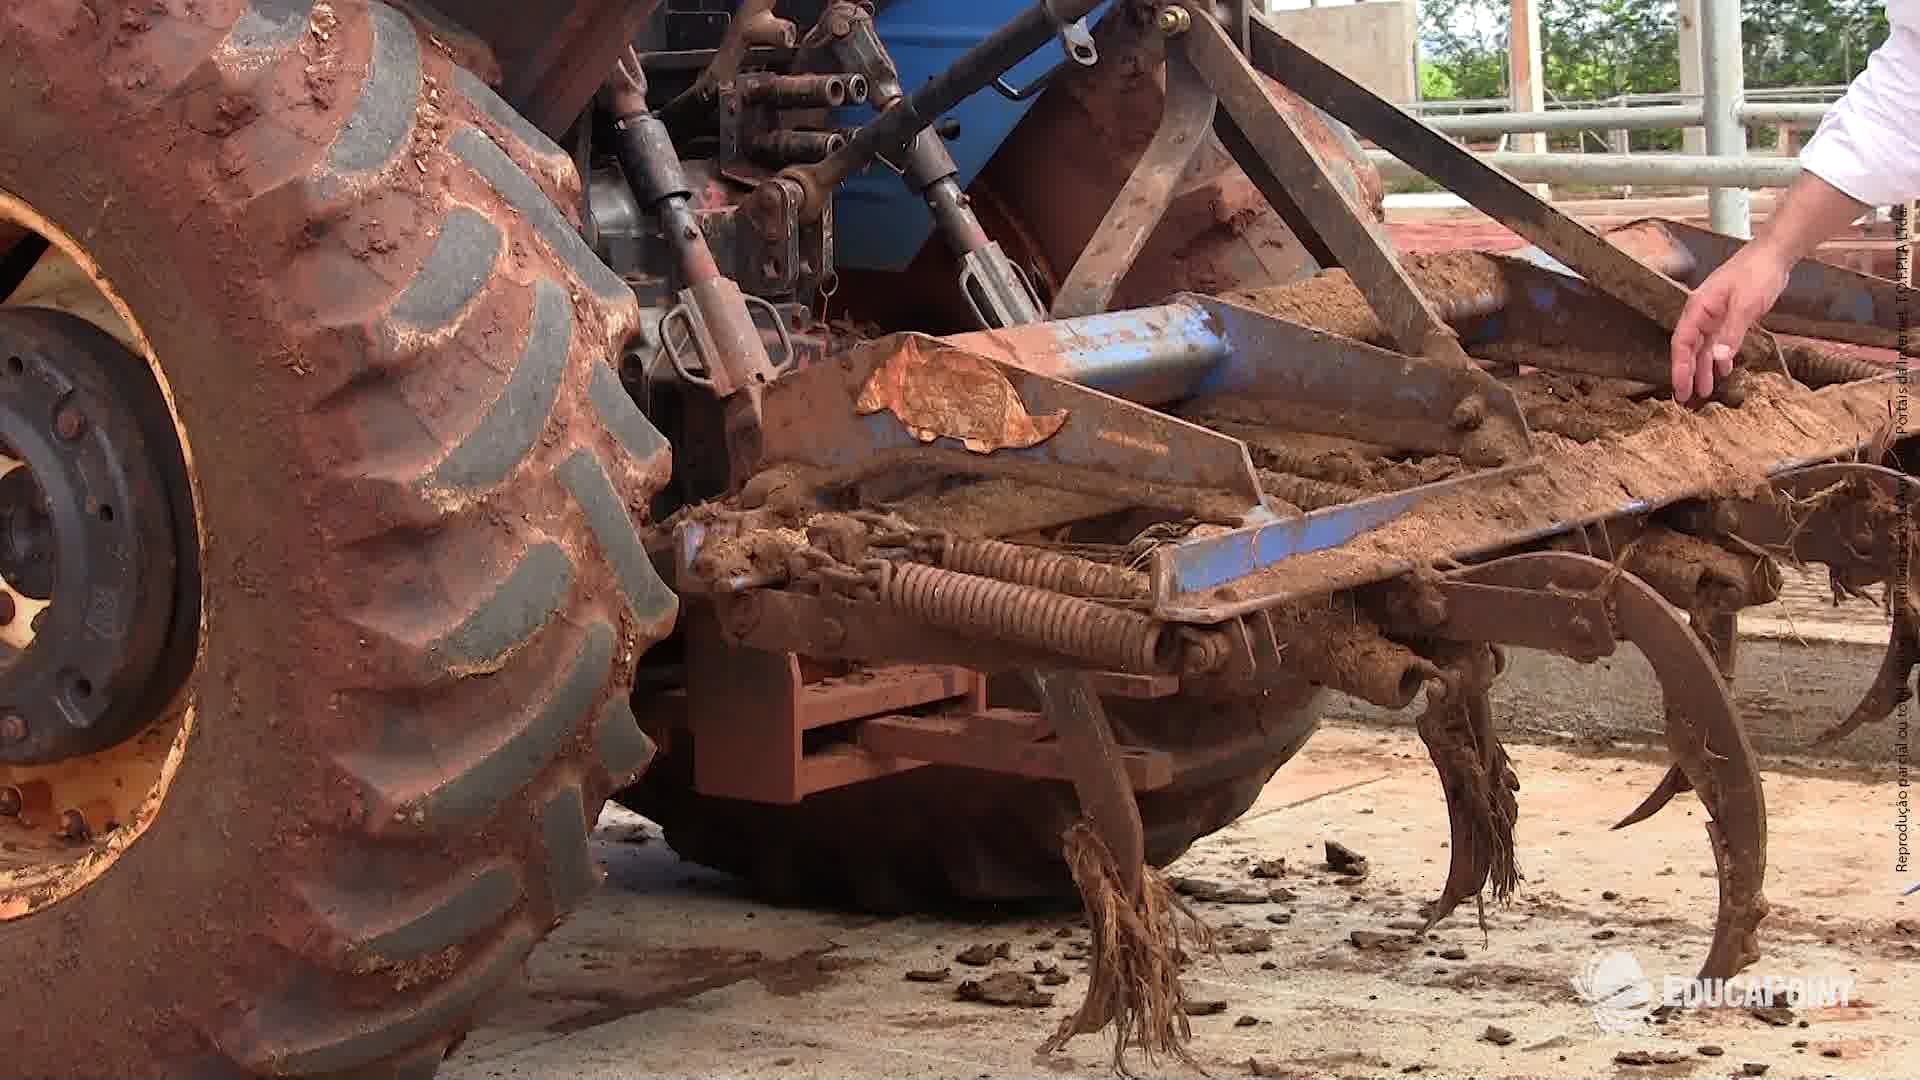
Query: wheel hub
89, 544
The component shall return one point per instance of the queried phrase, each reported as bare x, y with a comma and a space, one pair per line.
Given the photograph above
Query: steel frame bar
1653, 294
1198, 581
1184, 122
1102, 436
1332, 385
1264, 140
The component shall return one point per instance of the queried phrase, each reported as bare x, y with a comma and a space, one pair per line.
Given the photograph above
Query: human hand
1719, 314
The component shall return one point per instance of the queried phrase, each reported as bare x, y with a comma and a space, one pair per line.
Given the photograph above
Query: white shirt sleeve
1868, 145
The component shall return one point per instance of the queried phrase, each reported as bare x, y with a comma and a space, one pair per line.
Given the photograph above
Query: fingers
1744, 308
1682, 359
1699, 324
1703, 369
1718, 315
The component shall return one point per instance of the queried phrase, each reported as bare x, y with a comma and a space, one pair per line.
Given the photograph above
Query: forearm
1811, 213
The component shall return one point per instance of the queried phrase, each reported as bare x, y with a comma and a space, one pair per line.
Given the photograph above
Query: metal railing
1723, 107
1475, 106
1705, 170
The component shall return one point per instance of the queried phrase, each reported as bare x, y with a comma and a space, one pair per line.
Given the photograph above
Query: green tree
1466, 40
1435, 83
1602, 48
1809, 42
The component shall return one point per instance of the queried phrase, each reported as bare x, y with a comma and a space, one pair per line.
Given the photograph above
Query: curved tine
1702, 731
1809, 479
1673, 783
1477, 780
1890, 687
1468, 865
1812, 481
1890, 684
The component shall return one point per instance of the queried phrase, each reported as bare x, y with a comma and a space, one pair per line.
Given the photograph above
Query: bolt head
69, 423
74, 828
13, 727
1173, 20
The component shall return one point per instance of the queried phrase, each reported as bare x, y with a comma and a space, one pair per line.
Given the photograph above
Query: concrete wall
1371, 43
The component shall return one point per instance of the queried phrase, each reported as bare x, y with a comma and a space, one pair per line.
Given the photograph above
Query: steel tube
1624, 118
1782, 112
956, 221
1147, 355
1728, 208
1632, 118
1740, 172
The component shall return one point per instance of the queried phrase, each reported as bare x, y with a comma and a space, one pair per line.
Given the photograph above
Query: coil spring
1053, 571
1307, 493
1824, 367
1022, 615
1329, 467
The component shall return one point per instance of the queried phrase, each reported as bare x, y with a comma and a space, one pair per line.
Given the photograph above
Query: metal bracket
1270, 148
997, 289
1321, 382
1137, 210
695, 356
1107, 446
1077, 42
1570, 623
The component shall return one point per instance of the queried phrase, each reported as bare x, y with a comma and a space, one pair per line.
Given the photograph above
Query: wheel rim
99, 558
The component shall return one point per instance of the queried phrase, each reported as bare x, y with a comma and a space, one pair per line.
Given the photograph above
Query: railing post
1721, 61
1693, 140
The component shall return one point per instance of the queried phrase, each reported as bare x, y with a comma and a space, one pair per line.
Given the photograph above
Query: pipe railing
1723, 107
1704, 170
1628, 118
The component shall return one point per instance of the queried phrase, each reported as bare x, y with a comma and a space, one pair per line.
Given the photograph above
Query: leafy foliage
1600, 48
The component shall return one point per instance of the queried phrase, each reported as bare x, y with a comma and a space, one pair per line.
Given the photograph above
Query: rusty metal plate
938, 390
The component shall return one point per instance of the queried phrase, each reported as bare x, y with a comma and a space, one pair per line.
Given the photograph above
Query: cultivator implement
1375, 481
1009, 561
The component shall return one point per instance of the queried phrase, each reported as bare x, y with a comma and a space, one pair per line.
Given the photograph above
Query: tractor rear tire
936, 836
415, 474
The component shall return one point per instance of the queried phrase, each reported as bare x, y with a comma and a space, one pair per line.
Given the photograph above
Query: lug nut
73, 827
69, 422
13, 727
1173, 20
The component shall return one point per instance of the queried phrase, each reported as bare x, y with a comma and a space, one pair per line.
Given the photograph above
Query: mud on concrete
672, 971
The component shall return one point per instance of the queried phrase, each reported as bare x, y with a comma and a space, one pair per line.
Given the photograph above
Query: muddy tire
424, 592
937, 836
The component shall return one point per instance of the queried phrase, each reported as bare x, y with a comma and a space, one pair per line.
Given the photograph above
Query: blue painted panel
878, 223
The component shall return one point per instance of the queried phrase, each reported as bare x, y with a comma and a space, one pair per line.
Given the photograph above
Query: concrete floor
671, 971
